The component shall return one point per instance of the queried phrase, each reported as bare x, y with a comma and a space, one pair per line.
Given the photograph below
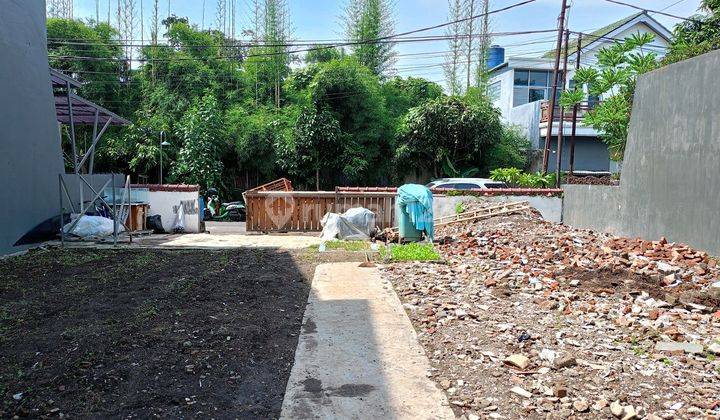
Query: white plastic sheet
179, 224
93, 226
356, 224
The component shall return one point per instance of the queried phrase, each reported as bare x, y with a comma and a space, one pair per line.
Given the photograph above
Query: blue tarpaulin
418, 201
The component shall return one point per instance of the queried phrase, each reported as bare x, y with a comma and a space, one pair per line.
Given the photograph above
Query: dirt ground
107, 333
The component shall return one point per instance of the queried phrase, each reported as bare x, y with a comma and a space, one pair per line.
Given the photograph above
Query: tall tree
469, 38
452, 65
60, 9
481, 75
366, 21
220, 17
155, 21
276, 33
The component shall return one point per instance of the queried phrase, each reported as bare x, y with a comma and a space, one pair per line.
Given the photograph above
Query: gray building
35, 101
521, 87
30, 153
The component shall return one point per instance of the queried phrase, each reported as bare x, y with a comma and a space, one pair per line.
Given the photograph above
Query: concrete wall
527, 118
591, 154
166, 203
30, 155
670, 184
549, 207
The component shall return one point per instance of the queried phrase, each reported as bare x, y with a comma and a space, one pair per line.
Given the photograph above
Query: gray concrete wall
549, 207
591, 154
30, 156
670, 184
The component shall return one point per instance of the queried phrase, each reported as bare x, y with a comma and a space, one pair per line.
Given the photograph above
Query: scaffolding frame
72, 110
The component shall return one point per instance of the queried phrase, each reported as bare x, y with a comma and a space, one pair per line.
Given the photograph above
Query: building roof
60, 80
606, 33
84, 111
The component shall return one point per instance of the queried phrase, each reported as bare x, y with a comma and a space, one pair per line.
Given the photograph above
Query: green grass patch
411, 252
352, 246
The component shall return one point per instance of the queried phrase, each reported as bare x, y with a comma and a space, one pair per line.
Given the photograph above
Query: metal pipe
556, 68
114, 210
162, 136
561, 125
91, 150
575, 111
60, 187
94, 136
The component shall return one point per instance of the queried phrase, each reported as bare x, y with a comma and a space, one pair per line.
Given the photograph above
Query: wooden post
556, 68
561, 124
575, 111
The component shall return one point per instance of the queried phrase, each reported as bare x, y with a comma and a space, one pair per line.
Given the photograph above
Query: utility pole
97, 11
575, 110
556, 68
560, 139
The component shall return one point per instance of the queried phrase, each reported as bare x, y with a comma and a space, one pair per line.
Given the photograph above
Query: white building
520, 87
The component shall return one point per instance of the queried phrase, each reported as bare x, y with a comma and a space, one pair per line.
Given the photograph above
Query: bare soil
92, 333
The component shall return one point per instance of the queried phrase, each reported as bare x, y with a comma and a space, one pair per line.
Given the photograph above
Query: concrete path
358, 356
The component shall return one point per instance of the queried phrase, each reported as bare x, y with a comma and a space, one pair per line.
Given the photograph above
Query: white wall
165, 203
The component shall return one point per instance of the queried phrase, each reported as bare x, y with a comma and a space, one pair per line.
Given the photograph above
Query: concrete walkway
358, 355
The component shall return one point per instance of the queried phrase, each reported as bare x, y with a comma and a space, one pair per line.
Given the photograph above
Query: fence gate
302, 211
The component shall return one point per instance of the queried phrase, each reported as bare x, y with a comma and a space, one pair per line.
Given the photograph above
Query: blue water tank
496, 56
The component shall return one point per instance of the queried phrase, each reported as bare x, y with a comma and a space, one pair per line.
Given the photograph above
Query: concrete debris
521, 392
577, 323
672, 346
518, 360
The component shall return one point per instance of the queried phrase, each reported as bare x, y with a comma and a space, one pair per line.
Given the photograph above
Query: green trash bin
406, 229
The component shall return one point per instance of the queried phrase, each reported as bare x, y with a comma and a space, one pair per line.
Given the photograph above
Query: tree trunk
317, 179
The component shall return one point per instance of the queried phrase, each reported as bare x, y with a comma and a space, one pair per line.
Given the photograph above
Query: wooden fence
302, 211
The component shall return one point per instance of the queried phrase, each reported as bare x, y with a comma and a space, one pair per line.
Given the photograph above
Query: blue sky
320, 19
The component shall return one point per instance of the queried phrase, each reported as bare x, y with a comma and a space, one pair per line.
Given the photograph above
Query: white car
466, 184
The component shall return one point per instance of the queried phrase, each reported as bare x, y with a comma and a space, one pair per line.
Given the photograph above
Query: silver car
466, 184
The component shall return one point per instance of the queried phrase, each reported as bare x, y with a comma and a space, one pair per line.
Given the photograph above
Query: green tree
199, 159
447, 135
401, 94
323, 54
366, 22
697, 36
352, 95
614, 79
510, 151
317, 141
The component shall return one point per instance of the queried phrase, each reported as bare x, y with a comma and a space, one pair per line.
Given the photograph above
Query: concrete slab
358, 355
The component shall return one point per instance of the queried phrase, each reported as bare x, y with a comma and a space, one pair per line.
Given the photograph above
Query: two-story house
520, 87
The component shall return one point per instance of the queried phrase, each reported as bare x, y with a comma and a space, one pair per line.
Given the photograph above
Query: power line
659, 12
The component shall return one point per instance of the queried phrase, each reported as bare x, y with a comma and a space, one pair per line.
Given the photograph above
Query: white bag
92, 226
356, 224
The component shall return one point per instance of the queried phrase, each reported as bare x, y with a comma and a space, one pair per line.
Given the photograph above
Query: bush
514, 177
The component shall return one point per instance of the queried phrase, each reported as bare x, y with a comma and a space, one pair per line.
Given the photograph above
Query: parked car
466, 184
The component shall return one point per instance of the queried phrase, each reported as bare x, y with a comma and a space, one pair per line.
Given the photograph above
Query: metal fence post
60, 192
115, 230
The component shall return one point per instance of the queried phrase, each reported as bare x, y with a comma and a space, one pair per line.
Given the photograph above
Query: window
538, 94
467, 187
533, 85
521, 77
494, 91
495, 185
539, 78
